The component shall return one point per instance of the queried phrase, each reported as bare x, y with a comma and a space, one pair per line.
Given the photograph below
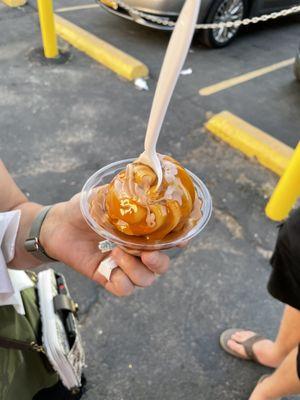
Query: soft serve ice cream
153, 200
133, 204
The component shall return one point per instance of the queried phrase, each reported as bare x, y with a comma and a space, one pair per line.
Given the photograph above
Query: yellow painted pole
287, 190
46, 16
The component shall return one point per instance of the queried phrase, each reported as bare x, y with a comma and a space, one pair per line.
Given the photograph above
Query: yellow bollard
287, 190
46, 16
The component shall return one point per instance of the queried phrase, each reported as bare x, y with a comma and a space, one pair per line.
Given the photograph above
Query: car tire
217, 13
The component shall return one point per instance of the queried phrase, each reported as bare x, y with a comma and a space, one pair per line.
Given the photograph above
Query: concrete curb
14, 3
121, 63
269, 152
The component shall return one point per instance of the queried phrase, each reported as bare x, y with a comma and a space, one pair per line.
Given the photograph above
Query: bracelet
32, 243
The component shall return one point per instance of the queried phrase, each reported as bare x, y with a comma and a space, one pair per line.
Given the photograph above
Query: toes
236, 336
241, 336
238, 348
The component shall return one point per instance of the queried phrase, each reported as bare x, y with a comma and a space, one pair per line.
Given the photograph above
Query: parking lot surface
270, 102
59, 124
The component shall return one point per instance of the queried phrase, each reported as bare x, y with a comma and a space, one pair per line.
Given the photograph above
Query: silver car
211, 11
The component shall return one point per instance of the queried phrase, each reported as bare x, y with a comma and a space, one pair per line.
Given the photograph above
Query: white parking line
77, 8
228, 83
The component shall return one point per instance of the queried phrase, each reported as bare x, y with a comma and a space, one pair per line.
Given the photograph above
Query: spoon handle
175, 56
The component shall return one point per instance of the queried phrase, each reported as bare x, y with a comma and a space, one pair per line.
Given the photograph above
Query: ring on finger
106, 267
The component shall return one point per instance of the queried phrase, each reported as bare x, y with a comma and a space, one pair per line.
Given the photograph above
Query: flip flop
247, 344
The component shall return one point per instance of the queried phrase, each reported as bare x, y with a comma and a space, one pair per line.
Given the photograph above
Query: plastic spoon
175, 56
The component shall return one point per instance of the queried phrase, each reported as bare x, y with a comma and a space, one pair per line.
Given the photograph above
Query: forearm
11, 196
22, 258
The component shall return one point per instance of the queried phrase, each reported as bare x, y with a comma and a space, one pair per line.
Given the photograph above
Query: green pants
23, 373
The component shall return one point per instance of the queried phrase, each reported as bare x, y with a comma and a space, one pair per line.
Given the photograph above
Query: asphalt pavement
61, 123
270, 102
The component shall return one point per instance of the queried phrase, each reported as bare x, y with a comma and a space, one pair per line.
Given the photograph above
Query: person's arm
66, 237
12, 198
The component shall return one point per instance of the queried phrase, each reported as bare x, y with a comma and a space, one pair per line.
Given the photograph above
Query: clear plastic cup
104, 176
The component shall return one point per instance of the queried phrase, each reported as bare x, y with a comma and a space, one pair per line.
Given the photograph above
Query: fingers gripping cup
122, 203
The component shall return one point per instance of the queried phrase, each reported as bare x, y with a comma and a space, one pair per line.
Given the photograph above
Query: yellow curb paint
228, 83
121, 63
14, 3
287, 190
269, 152
77, 8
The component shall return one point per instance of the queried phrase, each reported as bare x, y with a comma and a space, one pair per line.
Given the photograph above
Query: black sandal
247, 344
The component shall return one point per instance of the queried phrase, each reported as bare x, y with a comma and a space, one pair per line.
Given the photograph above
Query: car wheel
223, 11
297, 66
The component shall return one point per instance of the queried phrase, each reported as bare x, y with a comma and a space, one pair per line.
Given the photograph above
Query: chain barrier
218, 25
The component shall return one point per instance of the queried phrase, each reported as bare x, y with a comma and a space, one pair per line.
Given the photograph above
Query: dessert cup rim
159, 245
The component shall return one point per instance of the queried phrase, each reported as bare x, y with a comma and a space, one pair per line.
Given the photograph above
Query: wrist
33, 242
47, 237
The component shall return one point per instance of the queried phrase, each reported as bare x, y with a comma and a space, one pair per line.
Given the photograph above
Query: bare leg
268, 352
283, 382
288, 336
